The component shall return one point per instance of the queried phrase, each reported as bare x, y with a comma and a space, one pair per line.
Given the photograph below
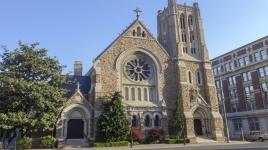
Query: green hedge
111, 144
47, 142
24, 143
176, 141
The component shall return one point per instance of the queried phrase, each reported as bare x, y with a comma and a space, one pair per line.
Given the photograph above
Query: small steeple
171, 2
78, 86
138, 13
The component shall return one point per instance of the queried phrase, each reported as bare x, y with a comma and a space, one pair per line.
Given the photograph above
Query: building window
156, 121
231, 81
190, 21
237, 124
219, 96
185, 50
145, 94
139, 94
247, 76
134, 121
143, 34
246, 59
147, 121
126, 94
218, 84
193, 50
217, 70
190, 77
264, 87
133, 93
263, 54
249, 90
151, 94
253, 124
260, 55
134, 33
227, 67
263, 71
183, 37
231, 65
199, 78
182, 21
138, 31
191, 36
233, 93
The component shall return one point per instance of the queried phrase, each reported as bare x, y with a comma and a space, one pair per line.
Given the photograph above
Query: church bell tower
181, 33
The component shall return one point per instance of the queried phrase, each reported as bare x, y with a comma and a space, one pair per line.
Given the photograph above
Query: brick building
241, 78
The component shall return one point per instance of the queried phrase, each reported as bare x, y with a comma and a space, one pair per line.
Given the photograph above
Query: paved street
214, 146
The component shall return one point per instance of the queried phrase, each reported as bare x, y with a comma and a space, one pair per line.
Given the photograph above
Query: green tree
113, 124
30, 94
177, 123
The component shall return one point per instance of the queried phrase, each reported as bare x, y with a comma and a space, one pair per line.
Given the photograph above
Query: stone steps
204, 140
76, 143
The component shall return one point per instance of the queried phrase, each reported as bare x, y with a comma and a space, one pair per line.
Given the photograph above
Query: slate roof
84, 82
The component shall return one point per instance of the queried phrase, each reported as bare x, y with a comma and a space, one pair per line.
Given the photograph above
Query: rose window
138, 70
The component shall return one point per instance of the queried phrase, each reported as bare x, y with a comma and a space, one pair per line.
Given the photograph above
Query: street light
224, 112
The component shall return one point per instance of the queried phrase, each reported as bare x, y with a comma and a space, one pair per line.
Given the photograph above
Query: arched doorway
198, 124
75, 129
201, 122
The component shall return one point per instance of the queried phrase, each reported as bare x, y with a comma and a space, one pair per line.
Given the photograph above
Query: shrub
111, 144
137, 135
155, 135
24, 143
47, 142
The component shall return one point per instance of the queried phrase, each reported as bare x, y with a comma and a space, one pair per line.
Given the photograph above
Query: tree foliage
177, 123
113, 125
30, 93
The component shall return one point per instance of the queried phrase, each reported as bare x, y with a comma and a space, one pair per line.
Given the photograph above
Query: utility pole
224, 112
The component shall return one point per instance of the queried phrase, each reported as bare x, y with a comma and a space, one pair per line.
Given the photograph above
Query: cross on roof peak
138, 12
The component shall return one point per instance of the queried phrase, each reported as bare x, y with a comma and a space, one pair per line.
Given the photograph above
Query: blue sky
81, 29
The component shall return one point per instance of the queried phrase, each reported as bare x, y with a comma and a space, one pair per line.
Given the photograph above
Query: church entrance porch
201, 123
198, 127
75, 129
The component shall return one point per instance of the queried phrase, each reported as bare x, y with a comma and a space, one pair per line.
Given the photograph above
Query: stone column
190, 126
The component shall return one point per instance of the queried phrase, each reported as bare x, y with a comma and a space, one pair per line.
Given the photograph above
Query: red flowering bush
155, 135
137, 135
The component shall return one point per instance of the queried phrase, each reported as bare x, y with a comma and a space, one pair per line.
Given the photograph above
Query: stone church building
151, 74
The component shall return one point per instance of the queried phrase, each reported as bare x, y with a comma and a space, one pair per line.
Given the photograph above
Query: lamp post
224, 113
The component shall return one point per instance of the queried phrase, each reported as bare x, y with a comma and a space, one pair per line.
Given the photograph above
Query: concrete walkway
159, 146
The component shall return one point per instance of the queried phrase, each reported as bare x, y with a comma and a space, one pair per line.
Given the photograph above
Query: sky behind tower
81, 29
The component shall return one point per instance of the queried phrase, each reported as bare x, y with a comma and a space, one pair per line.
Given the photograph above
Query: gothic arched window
190, 20
145, 94
139, 94
157, 121
126, 94
199, 78
134, 33
143, 34
190, 77
138, 31
182, 21
147, 121
134, 121
133, 93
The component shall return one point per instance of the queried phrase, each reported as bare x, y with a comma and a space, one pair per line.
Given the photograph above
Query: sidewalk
159, 146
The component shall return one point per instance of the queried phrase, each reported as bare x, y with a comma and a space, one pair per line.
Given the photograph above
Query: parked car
256, 136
